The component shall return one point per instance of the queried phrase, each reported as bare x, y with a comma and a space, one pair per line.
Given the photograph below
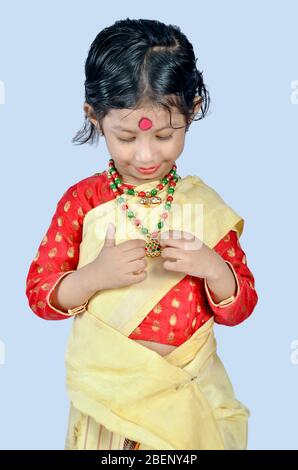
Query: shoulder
92, 185
215, 207
203, 188
90, 191
196, 189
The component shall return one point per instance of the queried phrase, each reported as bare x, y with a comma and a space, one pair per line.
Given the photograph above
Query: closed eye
168, 137
124, 140
158, 137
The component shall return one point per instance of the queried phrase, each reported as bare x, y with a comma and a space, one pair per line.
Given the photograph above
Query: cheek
121, 161
122, 151
122, 155
181, 141
174, 147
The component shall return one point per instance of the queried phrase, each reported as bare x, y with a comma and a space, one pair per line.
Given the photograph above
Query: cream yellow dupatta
183, 400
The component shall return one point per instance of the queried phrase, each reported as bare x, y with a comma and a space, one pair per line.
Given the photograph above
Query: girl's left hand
186, 253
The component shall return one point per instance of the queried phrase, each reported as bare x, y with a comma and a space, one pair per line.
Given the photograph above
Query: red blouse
177, 315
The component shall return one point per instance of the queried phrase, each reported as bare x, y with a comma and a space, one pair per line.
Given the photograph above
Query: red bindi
145, 124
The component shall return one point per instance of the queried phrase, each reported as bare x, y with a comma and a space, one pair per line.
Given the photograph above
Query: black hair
139, 60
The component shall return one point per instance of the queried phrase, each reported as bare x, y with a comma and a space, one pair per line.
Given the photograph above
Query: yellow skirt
84, 433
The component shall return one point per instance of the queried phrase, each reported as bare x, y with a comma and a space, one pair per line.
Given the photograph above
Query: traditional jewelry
147, 198
152, 247
77, 310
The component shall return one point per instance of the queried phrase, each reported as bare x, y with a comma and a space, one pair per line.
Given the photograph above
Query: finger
177, 244
183, 244
173, 265
171, 234
177, 234
110, 236
139, 277
132, 244
137, 266
173, 253
133, 254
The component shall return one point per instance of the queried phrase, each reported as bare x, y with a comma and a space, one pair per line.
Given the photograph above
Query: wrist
220, 293
217, 267
89, 279
225, 288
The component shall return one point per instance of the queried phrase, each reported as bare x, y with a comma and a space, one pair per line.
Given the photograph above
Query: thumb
110, 235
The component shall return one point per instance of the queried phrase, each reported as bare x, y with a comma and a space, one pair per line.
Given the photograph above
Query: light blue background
246, 149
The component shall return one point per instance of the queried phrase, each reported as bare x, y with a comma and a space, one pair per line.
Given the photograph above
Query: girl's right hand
119, 265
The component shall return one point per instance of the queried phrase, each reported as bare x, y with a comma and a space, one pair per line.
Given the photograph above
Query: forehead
129, 118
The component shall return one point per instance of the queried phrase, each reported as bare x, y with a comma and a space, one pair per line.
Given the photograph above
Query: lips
151, 169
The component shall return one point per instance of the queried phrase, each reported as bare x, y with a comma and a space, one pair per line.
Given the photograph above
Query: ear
197, 103
89, 112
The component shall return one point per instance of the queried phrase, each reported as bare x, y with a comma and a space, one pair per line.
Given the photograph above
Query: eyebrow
132, 132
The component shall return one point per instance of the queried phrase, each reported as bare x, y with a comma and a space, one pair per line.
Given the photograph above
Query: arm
231, 294
72, 291
223, 286
53, 284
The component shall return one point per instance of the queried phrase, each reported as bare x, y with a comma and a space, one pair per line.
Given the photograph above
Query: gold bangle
227, 301
230, 299
76, 310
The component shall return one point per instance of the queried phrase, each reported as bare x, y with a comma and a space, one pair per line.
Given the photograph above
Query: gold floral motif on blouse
67, 206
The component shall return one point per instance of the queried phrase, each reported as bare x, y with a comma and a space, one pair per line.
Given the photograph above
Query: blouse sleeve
57, 256
234, 310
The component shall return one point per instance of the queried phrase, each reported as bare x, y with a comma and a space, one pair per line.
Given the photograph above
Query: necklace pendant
152, 247
145, 201
155, 200
150, 201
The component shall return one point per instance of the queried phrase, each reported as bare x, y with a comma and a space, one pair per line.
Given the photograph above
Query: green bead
165, 180
117, 180
113, 170
171, 190
153, 192
121, 199
130, 214
113, 185
168, 205
160, 224
144, 230
130, 191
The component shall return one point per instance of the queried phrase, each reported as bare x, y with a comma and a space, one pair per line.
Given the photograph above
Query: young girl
143, 260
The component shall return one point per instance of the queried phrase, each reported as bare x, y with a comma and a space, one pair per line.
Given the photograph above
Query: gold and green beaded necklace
147, 198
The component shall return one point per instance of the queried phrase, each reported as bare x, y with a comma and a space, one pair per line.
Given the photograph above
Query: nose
144, 156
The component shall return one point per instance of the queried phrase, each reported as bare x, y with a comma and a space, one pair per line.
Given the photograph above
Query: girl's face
133, 145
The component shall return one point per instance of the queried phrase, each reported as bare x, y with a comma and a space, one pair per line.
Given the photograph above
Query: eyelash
160, 138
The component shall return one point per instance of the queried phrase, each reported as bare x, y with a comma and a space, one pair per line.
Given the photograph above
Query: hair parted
139, 61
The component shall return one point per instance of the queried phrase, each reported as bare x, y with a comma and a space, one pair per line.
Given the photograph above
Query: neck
144, 181
133, 181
